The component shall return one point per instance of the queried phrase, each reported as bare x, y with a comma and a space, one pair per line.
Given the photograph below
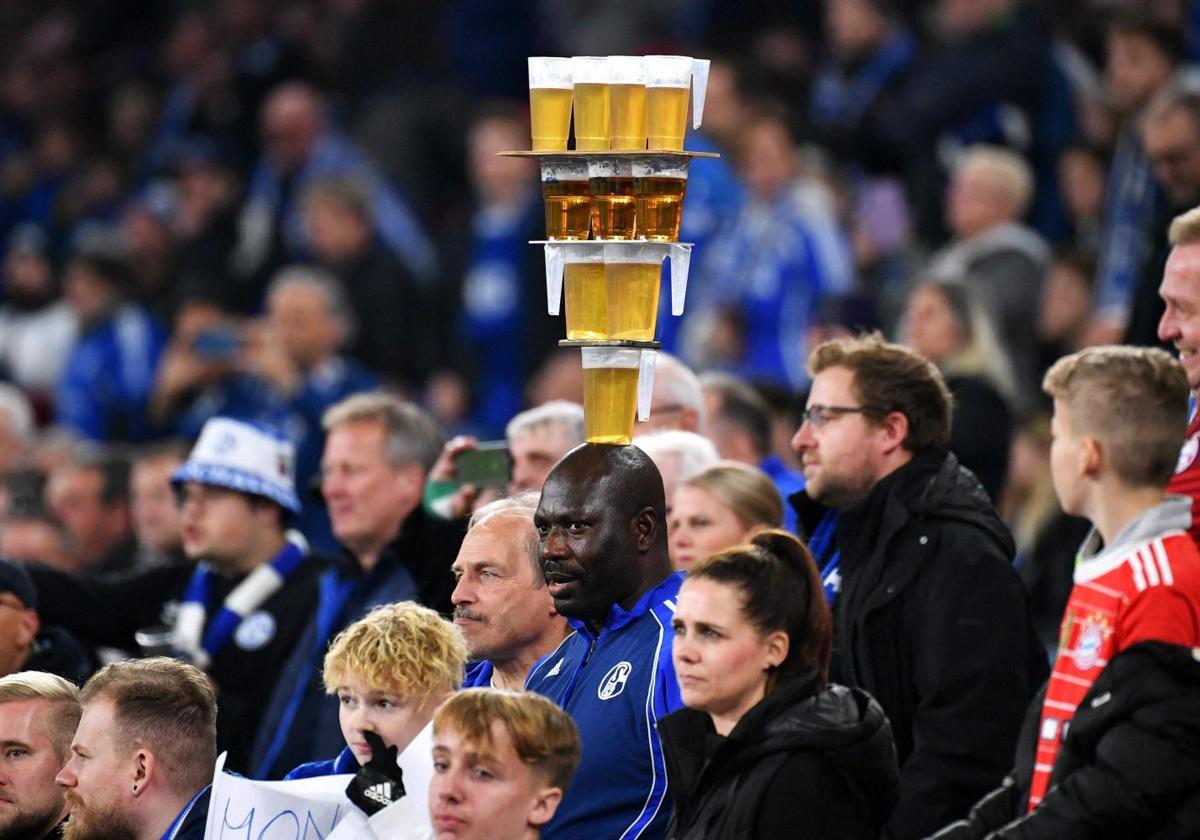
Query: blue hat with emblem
247, 457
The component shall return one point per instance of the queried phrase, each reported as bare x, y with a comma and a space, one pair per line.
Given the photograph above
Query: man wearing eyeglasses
930, 616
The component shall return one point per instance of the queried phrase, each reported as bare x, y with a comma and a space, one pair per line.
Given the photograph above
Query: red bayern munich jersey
1186, 481
1145, 592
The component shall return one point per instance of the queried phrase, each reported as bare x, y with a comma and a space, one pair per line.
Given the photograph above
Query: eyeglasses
818, 415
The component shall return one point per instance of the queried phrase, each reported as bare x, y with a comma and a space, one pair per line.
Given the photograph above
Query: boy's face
485, 794
393, 717
1067, 454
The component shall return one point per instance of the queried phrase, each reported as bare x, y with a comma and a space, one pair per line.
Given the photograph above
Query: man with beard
143, 754
602, 540
500, 600
929, 616
38, 716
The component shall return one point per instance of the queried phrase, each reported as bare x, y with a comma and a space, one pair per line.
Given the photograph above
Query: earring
135, 788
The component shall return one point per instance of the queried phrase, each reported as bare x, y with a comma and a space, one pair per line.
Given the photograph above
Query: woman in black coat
766, 747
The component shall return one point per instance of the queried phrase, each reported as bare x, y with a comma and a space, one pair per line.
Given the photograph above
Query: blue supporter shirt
616, 686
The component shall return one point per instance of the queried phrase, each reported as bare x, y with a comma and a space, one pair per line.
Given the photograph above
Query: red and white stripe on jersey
1150, 592
1151, 566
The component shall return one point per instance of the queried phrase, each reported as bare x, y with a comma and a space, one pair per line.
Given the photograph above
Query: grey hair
695, 452
519, 508
413, 436
327, 284
675, 384
562, 413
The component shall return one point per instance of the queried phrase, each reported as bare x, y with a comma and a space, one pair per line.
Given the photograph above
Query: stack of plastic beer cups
613, 209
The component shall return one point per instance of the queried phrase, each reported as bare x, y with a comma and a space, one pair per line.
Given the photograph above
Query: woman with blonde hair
719, 507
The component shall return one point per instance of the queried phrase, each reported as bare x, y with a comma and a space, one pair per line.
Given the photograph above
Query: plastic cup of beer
590, 76
610, 393
550, 92
614, 207
659, 185
627, 89
567, 197
668, 79
581, 266
633, 275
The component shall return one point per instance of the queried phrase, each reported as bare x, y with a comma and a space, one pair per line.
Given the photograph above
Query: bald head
602, 536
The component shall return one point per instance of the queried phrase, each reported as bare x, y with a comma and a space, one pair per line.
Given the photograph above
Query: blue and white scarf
202, 645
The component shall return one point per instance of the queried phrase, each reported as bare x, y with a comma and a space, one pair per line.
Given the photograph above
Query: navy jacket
616, 687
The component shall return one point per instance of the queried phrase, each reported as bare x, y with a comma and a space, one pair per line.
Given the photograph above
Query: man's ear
645, 528
545, 803
30, 624
1092, 457
145, 768
895, 431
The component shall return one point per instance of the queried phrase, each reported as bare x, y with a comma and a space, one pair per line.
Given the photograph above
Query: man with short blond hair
528, 748
377, 451
143, 754
38, 716
930, 616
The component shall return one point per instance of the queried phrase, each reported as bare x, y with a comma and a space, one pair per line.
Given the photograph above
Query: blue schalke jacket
616, 686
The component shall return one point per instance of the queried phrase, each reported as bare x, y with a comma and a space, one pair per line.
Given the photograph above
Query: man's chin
24, 825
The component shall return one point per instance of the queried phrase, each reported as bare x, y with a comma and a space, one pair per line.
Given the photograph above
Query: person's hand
380, 781
443, 468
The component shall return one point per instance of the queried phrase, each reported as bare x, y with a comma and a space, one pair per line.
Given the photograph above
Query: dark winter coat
806, 762
1129, 766
932, 620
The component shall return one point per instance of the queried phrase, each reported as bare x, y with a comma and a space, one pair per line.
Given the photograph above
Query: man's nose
803, 439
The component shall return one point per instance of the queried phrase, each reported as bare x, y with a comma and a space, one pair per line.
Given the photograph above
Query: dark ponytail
782, 591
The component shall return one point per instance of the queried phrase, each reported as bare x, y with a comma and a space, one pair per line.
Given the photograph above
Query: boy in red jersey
1119, 414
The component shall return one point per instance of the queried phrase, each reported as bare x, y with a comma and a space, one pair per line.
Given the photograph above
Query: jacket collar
618, 617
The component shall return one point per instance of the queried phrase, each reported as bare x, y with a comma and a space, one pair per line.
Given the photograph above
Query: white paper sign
245, 809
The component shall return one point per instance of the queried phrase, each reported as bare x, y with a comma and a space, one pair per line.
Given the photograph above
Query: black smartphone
487, 465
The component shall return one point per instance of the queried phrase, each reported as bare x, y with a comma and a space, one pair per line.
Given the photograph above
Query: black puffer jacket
806, 762
1129, 767
933, 621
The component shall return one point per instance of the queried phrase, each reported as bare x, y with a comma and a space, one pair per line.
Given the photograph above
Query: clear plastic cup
668, 79
580, 268
614, 209
590, 77
627, 90
550, 92
617, 384
633, 276
567, 197
659, 186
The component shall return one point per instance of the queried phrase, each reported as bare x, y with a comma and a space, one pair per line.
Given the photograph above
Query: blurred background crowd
255, 208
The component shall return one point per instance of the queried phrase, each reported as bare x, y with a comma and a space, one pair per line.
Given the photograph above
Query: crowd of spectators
264, 280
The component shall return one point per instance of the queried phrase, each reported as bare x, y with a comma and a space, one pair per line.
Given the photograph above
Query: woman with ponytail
766, 746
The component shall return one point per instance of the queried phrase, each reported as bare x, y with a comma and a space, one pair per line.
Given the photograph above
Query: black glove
380, 781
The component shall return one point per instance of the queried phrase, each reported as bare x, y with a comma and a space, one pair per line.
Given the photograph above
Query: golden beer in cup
587, 300
550, 92
666, 117
634, 274
668, 80
659, 185
614, 208
610, 394
627, 86
590, 78
633, 300
567, 197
